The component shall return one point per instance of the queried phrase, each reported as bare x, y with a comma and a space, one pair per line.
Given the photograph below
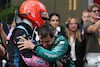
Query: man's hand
26, 44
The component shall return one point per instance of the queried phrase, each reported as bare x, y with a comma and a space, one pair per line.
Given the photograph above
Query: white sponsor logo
49, 55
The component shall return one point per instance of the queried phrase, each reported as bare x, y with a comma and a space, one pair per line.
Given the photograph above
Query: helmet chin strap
28, 22
33, 33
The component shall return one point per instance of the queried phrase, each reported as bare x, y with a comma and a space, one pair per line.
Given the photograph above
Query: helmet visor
45, 16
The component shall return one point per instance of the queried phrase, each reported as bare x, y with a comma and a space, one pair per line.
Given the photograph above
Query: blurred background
65, 8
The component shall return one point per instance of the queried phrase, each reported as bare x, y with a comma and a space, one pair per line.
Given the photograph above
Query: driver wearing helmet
32, 14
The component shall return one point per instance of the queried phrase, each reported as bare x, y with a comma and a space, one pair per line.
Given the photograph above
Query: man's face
95, 12
46, 42
85, 17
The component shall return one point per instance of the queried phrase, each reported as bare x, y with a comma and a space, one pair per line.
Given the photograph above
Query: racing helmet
34, 11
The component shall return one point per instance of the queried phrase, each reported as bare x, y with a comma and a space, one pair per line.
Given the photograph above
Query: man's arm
55, 54
4, 36
93, 28
2, 50
4, 31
